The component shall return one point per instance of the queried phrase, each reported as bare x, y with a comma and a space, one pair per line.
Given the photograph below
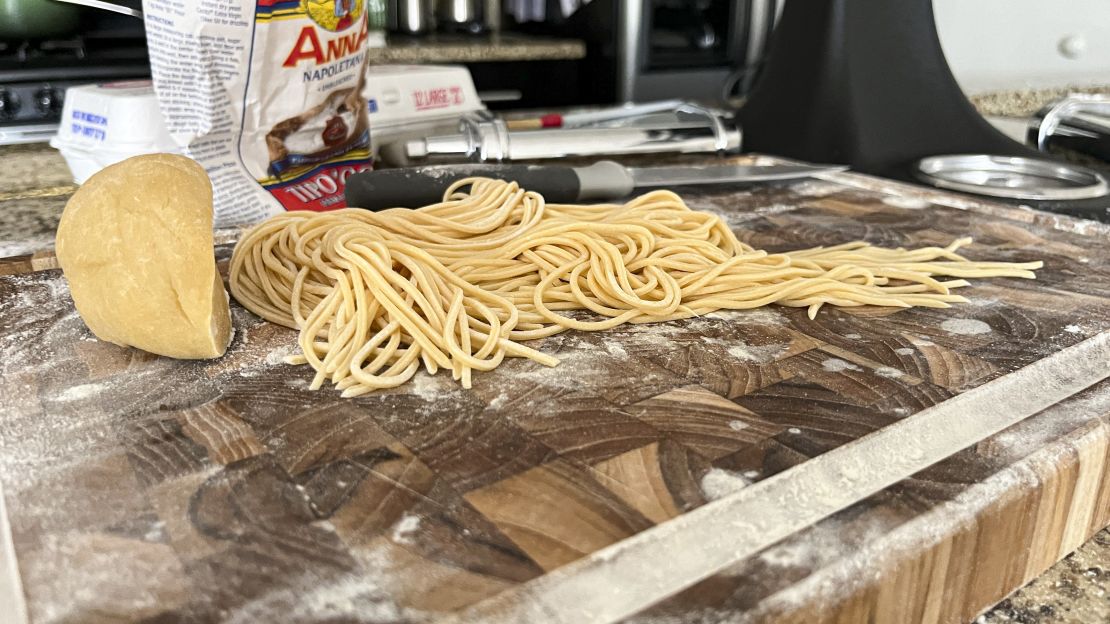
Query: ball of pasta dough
135, 244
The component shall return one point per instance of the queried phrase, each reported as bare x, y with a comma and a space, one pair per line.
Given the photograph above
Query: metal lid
1012, 177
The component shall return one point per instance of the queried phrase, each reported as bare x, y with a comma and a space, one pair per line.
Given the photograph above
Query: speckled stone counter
441, 48
34, 188
1024, 103
37, 184
1074, 591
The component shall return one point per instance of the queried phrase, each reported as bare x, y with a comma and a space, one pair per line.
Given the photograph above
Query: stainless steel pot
461, 16
411, 17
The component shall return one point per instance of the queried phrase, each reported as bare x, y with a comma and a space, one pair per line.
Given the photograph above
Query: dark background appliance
37, 65
641, 50
865, 83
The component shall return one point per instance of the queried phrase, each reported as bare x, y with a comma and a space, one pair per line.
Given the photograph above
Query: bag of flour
267, 96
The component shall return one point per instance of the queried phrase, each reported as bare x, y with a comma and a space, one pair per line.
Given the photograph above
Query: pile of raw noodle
463, 283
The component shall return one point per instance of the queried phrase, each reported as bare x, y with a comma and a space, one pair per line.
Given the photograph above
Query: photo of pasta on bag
267, 96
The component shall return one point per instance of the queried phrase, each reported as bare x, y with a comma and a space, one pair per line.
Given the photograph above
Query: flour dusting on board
815, 188
66, 394
737, 219
351, 598
758, 316
965, 327
906, 203
762, 354
279, 355
883, 542
615, 349
719, 483
405, 530
837, 365
82, 391
432, 387
848, 552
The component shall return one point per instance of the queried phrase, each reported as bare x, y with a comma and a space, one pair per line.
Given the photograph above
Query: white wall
1014, 44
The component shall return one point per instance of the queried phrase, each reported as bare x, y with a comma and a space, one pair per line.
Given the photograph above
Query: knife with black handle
606, 180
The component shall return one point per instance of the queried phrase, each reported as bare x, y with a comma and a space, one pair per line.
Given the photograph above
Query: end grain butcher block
872, 464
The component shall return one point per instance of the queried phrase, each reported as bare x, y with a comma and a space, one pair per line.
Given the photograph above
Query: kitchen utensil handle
420, 186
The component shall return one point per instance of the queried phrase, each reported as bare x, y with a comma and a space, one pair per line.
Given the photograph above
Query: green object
35, 19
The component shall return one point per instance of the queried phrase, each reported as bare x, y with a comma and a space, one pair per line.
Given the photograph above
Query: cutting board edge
959, 576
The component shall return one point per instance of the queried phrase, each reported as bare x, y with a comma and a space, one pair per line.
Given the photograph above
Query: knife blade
644, 177
604, 180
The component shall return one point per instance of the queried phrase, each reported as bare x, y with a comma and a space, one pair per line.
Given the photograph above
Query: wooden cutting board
871, 464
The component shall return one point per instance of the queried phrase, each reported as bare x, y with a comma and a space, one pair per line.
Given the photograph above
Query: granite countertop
37, 185
1025, 103
33, 190
445, 48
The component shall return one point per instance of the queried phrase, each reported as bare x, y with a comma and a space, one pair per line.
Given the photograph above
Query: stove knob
9, 104
48, 100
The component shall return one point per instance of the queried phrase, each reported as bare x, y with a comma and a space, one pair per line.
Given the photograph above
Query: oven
38, 64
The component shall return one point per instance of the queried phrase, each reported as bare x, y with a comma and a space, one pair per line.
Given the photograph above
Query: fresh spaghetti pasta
462, 284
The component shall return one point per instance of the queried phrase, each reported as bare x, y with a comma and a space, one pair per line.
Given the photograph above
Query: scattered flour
907, 203
836, 365
405, 528
815, 188
794, 430
853, 336
904, 351
982, 302
350, 598
615, 349
758, 316
758, 354
775, 209
763, 354
889, 372
737, 425
82, 391
719, 483
499, 400
432, 387
581, 361
1073, 329
901, 411
965, 327
278, 355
